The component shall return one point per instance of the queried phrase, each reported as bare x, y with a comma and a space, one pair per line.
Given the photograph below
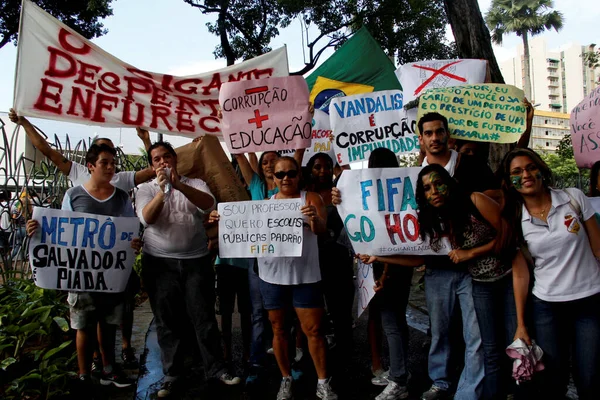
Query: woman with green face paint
562, 237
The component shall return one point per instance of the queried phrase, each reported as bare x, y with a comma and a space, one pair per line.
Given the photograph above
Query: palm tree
523, 17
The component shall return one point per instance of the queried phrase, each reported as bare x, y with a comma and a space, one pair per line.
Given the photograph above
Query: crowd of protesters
523, 265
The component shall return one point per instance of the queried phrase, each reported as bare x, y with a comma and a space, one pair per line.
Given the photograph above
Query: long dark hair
594, 191
309, 166
513, 201
261, 173
452, 218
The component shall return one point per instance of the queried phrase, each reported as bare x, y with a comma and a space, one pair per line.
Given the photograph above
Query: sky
169, 36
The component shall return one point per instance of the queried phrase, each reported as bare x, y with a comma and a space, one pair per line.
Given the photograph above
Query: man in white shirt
78, 173
176, 266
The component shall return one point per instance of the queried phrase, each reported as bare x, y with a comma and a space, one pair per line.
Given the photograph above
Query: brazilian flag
358, 66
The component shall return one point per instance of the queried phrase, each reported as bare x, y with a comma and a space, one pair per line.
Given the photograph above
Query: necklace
541, 212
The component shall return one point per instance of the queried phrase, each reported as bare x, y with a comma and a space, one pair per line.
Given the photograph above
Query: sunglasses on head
292, 173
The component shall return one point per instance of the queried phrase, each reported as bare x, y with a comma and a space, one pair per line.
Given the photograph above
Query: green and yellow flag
359, 66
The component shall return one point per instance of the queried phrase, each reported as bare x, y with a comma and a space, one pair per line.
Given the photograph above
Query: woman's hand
136, 245
31, 227
366, 259
213, 217
521, 333
336, 196
459, 255
310, 211
380, 283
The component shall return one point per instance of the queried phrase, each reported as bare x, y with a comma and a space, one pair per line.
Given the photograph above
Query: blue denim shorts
275, 297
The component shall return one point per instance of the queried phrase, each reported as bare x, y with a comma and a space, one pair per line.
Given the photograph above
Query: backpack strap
574, 204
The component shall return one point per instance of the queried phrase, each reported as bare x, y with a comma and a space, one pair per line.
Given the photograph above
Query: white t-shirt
565, 266
124, 180
179, 231
450, 166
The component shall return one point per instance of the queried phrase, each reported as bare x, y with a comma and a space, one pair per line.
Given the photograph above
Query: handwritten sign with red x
266, 114
418, 77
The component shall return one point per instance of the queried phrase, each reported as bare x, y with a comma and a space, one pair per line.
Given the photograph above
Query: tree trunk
227, 50
473, 40
527, 68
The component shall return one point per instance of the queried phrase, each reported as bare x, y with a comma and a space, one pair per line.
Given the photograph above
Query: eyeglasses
529, 168
292, 173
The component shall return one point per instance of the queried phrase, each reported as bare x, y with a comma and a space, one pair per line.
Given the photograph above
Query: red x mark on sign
437, 72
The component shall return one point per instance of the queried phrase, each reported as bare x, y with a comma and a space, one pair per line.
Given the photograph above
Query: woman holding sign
562, 237
295, 281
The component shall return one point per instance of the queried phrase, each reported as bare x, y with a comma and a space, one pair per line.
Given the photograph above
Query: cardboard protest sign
320, 143
365, 290
364, 122
82, 252
63, 76
482, 113
266, 114
379, 210
418, 77
585, 130
267, 228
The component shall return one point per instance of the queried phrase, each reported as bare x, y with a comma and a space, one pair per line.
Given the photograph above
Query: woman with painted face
335, 261
559, 231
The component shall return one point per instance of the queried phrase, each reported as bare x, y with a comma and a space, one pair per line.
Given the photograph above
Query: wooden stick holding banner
267, 228
364, 122
82, 252
379, 211
266, 114
483, 113
585, 130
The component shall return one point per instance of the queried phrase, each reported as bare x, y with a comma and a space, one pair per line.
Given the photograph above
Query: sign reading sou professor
364, 122
266, 228
266, 114
585, 130
62, 76
82, 252
379, 210
483, 113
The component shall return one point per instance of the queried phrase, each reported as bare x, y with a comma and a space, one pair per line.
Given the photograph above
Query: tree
403, 27
565, 148
83, 16
523, 17
592, 59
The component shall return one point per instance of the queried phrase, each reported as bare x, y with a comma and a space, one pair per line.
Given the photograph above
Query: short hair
158, 144
291, 159
430, 117
95, 150
100, 139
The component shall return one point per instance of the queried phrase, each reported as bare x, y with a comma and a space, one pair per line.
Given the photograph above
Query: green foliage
83, 16
35, 348
564, 168
522, 17
565, 148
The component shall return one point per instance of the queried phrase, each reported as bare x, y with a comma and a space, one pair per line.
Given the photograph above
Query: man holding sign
97, 196
177, 270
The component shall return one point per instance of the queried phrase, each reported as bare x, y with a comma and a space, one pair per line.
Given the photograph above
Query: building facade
560, 79
548, 129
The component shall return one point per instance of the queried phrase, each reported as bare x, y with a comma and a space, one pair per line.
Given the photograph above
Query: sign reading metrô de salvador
379, 210
266, 114
82, 252
266, 228
62, 76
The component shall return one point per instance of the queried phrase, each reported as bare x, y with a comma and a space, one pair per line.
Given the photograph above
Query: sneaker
285, 390
270, 351
97, 367
381, 378
116, 378
129, 359
253, 376
165, 390
434, 393
229, 379
393, 391
325, 392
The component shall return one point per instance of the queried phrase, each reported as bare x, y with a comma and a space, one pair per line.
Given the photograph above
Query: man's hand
175, 181
14, 118
161, 178
136, 245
